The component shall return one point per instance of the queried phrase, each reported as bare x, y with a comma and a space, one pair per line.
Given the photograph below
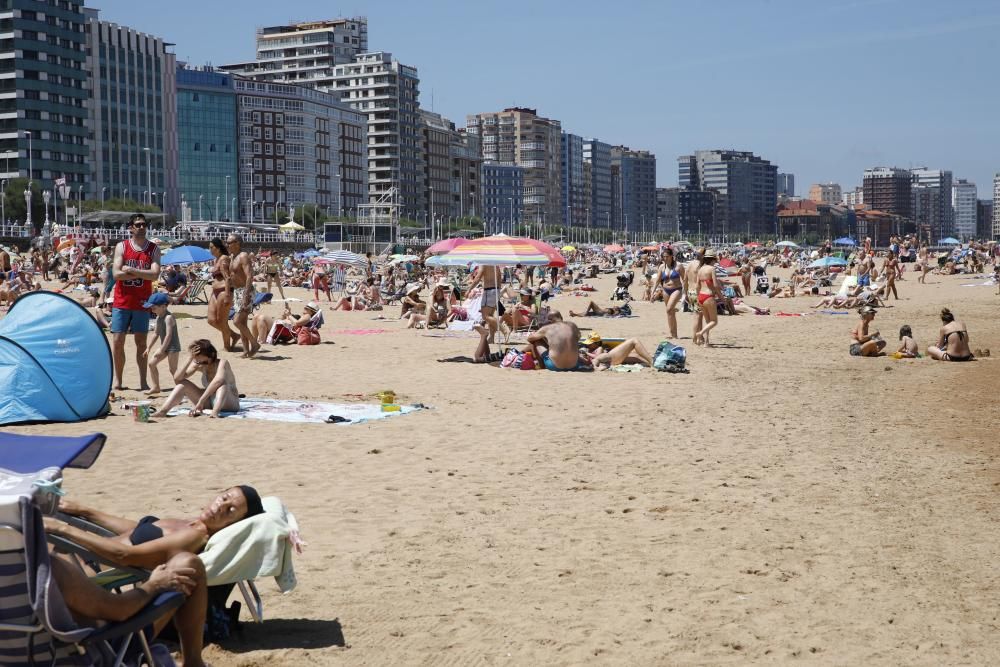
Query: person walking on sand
487, 277
708, 291
891, 271
165, 340
241, 280
136, 265
690, 280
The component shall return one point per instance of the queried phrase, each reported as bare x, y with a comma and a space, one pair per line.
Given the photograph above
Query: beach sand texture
781, 501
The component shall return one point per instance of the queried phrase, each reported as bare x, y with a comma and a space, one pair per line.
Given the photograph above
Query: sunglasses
138, 224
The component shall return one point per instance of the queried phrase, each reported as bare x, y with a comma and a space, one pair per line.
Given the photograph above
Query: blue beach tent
55, 363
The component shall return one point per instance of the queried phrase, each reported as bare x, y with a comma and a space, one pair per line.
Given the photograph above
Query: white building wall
963, 202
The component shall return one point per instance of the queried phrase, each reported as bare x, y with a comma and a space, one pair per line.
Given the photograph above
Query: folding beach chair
194, 293
36, 627
259, 300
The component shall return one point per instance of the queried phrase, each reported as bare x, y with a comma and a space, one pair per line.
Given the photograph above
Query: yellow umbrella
568, 248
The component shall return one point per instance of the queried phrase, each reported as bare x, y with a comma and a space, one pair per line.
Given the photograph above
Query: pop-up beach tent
55, 363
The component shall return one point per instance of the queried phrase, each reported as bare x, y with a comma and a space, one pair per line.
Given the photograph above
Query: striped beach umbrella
502, 251
446, 245
342, 257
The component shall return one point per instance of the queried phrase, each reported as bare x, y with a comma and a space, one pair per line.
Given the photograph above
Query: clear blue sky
823, 89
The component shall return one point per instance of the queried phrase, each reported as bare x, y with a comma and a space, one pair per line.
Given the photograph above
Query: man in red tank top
136, 266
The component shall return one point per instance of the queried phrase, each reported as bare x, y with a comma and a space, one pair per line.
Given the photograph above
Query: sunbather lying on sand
603, 356
611, 311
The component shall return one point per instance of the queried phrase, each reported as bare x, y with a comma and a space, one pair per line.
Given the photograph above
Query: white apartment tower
305, 53
387, 92
964, 198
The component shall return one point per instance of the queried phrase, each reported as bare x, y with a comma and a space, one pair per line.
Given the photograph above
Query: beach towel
260, 546
359, 332
474, 316
306, 412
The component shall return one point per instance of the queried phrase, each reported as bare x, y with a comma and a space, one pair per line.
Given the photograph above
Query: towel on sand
305, 412
256, 547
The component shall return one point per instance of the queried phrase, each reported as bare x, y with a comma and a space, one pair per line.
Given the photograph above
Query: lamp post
433, 237
30, 166
200, 197
79, 203
46, 195
217, 208
250, 209
228, 218
27, 199
125, 194
103, 190
149, 176
232, 210
3, 202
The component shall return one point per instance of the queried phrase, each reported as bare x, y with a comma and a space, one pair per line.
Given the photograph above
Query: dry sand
782, 501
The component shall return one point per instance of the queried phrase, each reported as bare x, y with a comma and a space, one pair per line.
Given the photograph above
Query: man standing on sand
487, 276
241, 279
136, 265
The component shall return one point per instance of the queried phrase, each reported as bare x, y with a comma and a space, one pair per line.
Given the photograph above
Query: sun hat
526, 291
710, 254
443, 282
413, 287
593, 339
313, 306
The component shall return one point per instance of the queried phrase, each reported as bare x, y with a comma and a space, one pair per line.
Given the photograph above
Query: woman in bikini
745, 273
320, 282
891, 271
218, 391
923, 263
865, 343
221, 298
708, 292
669, 277
953, 340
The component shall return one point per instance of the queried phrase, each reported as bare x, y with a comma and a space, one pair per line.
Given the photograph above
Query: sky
823, 89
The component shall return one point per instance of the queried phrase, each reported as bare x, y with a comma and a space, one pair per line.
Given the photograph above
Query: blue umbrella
845, 240
949, 241
186, 254
826, 262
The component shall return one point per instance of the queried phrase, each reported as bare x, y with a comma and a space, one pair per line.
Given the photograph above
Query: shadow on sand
286, 633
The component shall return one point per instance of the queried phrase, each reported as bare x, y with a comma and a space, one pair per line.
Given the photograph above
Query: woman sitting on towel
218, 390
152, 542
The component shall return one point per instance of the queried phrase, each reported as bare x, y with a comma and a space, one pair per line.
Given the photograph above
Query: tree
15, 207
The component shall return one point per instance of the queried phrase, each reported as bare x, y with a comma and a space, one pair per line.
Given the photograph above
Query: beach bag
307, 336
279, 334
524, 361
670, 358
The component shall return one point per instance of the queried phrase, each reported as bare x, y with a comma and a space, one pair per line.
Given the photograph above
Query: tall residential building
785, 185
207, 142
746, 194
888, 189
855, 197
436, 135
984, 219
996, 207
826, 193
519, 136
666, 211
43, 92
298, 147
466, 172
574, 205
305, 53
387, 91
133, 115
932, 188
502, 187
686, 211
633, 189
963, 202
597, 163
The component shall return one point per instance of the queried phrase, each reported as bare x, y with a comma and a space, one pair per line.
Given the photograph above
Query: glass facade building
132, 115
502, 186
43, 91
206, 140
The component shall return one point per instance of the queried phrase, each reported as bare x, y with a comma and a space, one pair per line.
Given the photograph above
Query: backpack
670, 358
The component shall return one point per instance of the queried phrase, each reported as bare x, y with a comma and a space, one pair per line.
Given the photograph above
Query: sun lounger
36, 627
194, 293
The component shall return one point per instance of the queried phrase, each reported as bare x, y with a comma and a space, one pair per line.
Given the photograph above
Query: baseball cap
157, 299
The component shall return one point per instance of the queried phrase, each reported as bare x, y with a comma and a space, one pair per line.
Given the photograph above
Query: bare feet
154, 391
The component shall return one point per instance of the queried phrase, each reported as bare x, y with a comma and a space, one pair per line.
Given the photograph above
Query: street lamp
79, 203
217, 208
3, 202
30, 168
103, 190
125, 194
46, 196
227, 198
27, 199
232, 210
200, 197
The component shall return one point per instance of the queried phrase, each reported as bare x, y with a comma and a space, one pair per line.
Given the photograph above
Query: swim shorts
129, 321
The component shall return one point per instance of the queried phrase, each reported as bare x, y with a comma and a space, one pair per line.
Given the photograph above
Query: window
256, 116
197, 146
257, 163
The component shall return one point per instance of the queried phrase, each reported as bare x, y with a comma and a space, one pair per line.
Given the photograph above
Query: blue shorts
129, 321
550, 365
865, 280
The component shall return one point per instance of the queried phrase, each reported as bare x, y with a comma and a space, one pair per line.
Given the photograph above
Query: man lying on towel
593, 310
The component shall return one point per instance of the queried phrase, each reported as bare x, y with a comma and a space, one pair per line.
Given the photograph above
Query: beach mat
306, 412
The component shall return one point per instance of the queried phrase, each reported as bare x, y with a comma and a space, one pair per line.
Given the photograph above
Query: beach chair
194, 293
474, 315
36, 627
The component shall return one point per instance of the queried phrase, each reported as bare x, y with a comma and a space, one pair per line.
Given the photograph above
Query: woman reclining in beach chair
290, 328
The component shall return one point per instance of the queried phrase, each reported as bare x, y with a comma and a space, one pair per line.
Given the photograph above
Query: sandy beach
783, 501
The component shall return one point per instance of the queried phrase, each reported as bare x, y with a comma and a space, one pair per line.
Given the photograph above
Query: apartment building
826, 193
745, 187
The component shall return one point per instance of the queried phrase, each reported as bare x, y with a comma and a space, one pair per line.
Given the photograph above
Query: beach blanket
359, 332
834, 312
306, 412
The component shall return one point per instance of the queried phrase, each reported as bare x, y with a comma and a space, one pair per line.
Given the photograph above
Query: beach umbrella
614, 247
786, 244
845, 240
186, 254
342, 257
291, 226
949, 241
753, 244
827, 262
503, 251
400, 259
568, 248
446, 245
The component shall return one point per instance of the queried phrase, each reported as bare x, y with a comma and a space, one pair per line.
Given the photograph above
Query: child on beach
907, 346
169, 347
